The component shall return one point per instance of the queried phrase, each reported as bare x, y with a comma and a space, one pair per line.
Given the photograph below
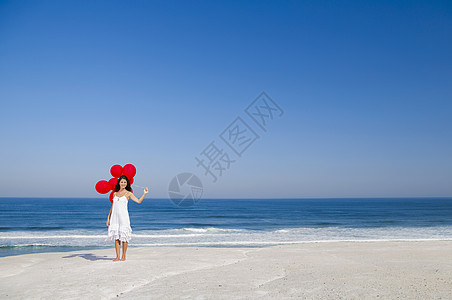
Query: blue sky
365, 87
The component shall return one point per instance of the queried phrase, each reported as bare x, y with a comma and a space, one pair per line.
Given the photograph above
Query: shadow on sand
89, 256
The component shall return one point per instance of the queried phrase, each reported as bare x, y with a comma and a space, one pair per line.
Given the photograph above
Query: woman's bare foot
116, 259
123, 259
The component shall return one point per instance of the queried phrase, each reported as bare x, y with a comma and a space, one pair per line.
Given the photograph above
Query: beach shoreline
339, 270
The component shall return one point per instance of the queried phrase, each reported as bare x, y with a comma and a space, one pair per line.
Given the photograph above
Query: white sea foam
209, 229
219, 236
244, 243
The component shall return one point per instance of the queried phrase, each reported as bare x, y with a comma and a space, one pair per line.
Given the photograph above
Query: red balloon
113, 182
103, 187
112, 194
116, 171
129, 170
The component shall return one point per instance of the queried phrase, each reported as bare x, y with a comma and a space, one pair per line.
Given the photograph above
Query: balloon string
138, 185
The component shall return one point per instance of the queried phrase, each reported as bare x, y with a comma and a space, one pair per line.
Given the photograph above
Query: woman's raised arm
134, 198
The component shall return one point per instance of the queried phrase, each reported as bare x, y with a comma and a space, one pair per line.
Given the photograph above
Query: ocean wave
225, 243
97, 236
225, 236
24, 245
209, 229
245, 243
44, 227
54, 237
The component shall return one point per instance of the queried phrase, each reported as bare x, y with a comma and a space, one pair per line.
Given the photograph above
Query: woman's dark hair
117, 187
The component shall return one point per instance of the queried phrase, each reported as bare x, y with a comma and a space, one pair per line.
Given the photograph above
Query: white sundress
119, 228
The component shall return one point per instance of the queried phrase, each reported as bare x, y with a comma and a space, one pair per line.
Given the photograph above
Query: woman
118, 221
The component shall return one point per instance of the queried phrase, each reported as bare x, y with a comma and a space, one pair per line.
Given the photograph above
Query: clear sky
365, 86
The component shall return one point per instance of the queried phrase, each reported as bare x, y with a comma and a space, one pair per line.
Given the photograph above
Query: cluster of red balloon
116, 171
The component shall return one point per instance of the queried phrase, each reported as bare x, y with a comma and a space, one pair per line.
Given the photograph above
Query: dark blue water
52, 224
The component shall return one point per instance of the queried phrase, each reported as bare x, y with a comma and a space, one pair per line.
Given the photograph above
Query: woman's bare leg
124, 250
118, 249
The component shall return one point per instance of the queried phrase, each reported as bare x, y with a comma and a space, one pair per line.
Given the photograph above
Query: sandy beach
323, 270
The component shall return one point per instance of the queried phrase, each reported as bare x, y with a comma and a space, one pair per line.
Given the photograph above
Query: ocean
30, 225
